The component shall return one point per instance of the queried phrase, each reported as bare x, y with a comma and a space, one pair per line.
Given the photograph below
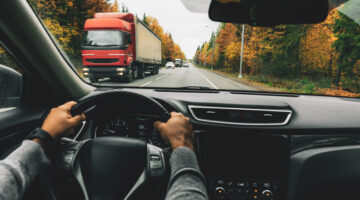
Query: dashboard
251, 146
132, 126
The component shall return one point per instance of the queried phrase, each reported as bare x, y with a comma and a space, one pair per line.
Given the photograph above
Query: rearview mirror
128, 38
269, 12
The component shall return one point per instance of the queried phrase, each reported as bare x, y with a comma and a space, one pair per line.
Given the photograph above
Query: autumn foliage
65, 19
316, 58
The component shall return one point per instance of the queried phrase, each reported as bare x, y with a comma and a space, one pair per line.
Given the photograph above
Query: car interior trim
191, 107
80, 130
77, 172
137, 185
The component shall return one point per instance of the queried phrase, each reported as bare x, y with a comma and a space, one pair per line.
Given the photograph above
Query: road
182, 77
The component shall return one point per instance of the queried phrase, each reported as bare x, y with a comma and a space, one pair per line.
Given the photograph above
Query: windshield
103, 38
317, 59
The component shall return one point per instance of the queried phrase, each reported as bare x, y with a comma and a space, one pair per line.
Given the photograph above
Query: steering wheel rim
88, 157
88, 102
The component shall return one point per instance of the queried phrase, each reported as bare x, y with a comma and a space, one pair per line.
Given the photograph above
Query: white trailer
148, 48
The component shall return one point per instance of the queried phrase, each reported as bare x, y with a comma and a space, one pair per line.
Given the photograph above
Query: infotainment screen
241, 155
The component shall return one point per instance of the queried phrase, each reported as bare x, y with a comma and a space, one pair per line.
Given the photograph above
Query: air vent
241, 116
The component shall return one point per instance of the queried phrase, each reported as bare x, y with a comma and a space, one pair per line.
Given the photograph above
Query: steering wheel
113, 167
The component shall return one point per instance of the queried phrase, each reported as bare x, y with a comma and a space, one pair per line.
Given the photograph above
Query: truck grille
113, 60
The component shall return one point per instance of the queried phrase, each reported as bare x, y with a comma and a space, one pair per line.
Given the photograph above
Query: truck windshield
104, 38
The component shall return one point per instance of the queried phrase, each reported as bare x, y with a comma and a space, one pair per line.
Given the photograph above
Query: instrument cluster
138, 127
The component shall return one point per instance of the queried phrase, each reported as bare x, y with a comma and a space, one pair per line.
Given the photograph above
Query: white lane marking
158, 78
145, 84
212, 84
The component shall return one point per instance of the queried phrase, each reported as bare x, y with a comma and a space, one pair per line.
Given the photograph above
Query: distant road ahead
182, 77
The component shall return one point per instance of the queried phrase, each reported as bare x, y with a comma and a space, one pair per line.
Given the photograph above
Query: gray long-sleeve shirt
19, 169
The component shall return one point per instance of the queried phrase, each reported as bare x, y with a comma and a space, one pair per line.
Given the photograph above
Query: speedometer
137, 127
117, 127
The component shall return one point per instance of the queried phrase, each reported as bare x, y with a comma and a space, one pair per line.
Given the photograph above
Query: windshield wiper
110, 45
90, 45
196, 88
96, 45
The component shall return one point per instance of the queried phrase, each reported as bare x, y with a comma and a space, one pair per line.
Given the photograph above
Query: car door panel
325, 173
15, 125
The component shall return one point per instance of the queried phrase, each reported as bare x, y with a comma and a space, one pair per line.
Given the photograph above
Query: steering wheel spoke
111, 167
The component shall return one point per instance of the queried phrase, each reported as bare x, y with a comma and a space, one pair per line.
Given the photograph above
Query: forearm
186, 182
19, 169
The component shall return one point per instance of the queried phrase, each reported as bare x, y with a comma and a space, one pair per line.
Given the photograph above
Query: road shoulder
257, 86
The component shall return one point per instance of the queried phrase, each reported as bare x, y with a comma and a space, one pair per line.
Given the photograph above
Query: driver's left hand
60, 123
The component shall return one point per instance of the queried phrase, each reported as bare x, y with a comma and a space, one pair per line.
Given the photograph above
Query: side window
10, 82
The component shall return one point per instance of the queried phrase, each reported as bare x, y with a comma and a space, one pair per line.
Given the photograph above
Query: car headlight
120, 69
85, 69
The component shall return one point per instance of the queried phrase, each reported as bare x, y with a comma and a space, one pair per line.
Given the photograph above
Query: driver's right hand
177, 131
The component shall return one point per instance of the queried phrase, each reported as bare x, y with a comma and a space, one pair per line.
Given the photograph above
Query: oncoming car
271, 90
170, 65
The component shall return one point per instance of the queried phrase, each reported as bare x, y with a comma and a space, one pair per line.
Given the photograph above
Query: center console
240, 166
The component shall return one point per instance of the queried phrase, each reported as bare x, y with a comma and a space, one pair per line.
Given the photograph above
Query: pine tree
347, 45
145, 20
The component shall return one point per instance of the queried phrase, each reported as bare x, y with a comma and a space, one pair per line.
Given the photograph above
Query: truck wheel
135, 71
157, 69
153, 71
130, 78
115, 79
142, 72
93, 80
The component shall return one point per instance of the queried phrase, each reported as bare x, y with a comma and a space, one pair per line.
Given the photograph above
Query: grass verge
303, 85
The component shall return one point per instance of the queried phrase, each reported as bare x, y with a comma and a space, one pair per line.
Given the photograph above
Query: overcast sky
187, 28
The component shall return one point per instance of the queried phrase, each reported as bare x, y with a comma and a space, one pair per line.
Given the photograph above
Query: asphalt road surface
182, 77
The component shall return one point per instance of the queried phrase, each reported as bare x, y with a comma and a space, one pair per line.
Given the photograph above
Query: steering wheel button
154, 157
155, 165
242, 184
267, 185
255, 185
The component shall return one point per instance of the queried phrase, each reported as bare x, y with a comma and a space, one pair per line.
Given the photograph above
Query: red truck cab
108, 47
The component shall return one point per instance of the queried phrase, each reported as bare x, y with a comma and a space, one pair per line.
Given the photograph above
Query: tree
66, 19
212, 40
124, 9
145, 20
347, 45
318, 40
